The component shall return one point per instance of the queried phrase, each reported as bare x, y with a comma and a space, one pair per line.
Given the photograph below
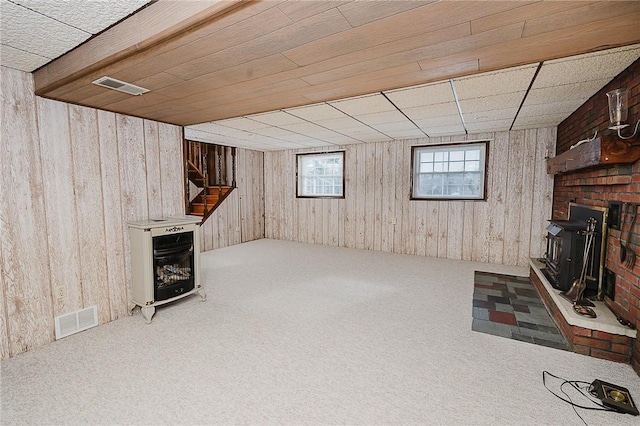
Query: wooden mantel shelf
602, 151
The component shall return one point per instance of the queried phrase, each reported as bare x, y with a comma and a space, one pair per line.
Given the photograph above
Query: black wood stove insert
564, 256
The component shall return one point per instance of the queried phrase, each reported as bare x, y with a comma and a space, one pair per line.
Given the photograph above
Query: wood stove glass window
173, 263
452, 172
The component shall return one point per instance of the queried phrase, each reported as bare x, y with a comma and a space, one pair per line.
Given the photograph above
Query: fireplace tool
627, 255
574, 294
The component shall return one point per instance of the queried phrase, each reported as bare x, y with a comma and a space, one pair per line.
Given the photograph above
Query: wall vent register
165, 262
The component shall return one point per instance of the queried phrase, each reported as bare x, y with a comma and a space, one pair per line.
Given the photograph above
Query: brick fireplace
598, 187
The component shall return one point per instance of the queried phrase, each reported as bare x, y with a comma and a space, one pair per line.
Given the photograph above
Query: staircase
210, 176
209, 199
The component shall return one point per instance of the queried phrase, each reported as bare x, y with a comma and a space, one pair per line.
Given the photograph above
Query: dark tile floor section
509, 306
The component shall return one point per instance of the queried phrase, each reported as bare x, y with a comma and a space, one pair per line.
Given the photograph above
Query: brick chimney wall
596, 187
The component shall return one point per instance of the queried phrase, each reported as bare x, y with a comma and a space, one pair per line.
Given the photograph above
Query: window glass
454, 172
321, 175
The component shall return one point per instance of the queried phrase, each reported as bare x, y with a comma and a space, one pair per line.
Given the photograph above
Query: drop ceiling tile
242, 123
391, 127
489, 126
274, 132
533, 121
313, 143
491, 115
592, 66
305, 128
326, 135
202, 136
339, 123
276, 118
210, 127
376, 139
583, 90
316, 112
488, 103
448, 120
362, 133
406, 134
381, 117
494, 83
428, 94
430, 111
549, 108
89, 16
454, 130
347, 141
369, 104
342, 140
21, 60
52, 39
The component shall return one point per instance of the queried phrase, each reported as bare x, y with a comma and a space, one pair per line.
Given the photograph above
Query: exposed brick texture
582, 340
596, 187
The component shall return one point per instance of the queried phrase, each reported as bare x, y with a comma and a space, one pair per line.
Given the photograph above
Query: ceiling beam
160, 21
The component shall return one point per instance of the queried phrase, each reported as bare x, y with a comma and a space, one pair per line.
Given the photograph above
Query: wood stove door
173, 265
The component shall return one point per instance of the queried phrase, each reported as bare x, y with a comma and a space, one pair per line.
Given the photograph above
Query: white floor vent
77, 321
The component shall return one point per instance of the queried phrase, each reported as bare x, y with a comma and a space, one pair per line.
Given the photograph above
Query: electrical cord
585, 391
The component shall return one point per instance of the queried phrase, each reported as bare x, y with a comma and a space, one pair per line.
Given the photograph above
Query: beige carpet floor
294, 333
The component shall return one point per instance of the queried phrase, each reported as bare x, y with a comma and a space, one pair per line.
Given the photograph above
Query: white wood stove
165, 262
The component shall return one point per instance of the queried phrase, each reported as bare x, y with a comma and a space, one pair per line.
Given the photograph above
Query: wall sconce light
618, 109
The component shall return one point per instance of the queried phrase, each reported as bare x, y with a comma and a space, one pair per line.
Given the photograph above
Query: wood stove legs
150, 310
202, 293
147, 312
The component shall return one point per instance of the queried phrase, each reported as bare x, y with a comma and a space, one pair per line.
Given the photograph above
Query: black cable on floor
584, 390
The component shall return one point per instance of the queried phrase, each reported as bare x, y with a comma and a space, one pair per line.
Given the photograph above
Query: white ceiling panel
405, 134
339, 123
428, 94
552, 108
53, 38
340, 140
20, 59
431, 111
591, 66
427, 123
382, 117
583, 90
392, 127
276, 132
535, 121
242, 123
445, 130
493, 83
89, 16
316, 112
360, 105
276, 118
489, 103
491, 115
492, 126
306, 128
364, 134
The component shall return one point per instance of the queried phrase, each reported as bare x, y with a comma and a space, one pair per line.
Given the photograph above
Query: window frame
298, 182
484, 174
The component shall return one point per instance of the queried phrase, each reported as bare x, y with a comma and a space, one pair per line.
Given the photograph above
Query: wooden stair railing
208, 172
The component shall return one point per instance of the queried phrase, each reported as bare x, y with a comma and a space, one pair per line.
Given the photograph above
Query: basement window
449, 172
320, 175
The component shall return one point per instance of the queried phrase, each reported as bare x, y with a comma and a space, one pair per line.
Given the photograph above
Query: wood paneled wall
71, 177
377, 214
240, 218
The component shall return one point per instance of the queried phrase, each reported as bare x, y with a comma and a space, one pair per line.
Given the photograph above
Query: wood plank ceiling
221, 60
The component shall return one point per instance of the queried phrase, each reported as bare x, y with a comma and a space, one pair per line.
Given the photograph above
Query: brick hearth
600, 337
